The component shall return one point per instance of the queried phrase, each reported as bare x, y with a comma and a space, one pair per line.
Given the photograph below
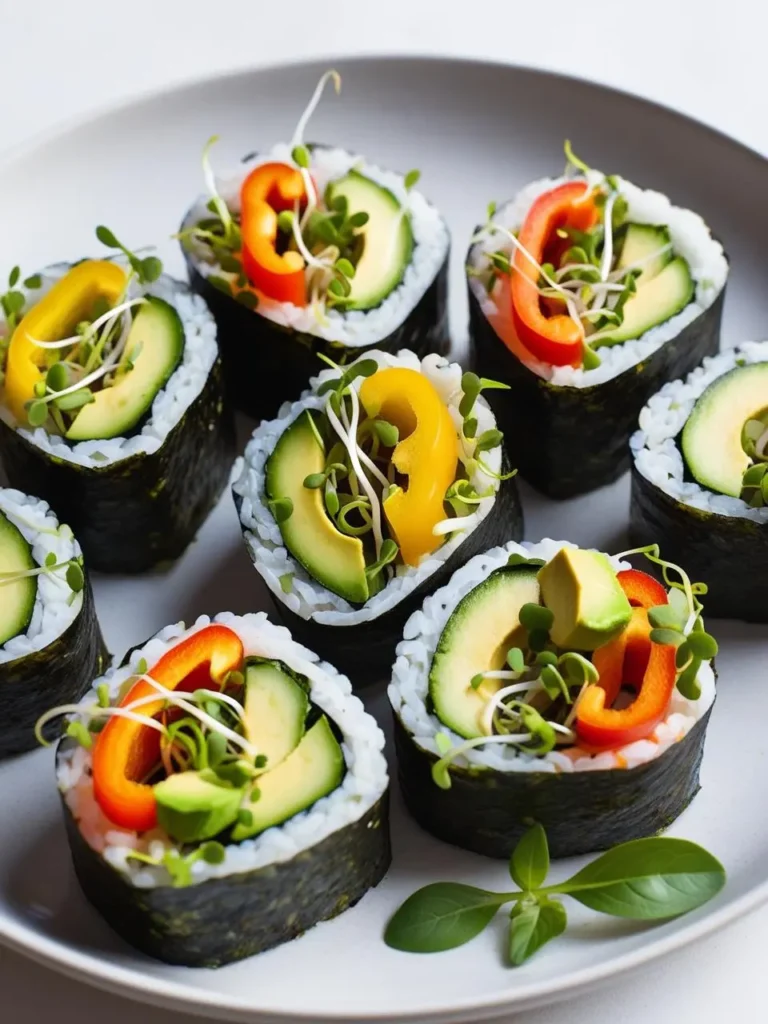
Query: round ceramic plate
478, 132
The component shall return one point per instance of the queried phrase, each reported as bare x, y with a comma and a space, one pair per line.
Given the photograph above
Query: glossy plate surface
477, 132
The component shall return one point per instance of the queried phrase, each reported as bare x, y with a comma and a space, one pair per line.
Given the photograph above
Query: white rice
408, 690
353, 327
657, 455
691, 238
53, 613
307, 597
170, 404
364, 783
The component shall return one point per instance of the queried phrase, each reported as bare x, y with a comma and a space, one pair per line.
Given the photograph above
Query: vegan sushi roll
366, 494
223, 792
699, 479
50, 642
112, 405
309, 249
555, 685
586, 294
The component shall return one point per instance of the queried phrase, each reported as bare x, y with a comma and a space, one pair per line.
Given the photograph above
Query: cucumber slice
654, 302
275, 711
642, 247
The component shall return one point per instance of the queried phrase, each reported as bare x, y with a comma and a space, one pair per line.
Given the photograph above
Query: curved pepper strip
556, 340
126, 751
634, 660
54, 317
267, 191
428, 454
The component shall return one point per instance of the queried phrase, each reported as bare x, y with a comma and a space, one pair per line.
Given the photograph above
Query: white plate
477, 132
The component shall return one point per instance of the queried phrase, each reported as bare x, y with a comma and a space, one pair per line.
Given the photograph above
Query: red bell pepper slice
557, 340
267, 191
126, 751
633, 660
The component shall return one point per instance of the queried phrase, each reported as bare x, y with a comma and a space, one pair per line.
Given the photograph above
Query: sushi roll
223, 792
50, 642
556, 685
112, 405
586, 294
699, 480
310, 249
364, 495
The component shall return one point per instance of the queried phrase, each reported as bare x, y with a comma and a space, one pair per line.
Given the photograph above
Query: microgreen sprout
69, 572
179, 865
679, 623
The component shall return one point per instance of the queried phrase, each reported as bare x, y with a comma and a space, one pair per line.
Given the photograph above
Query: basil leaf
648, 879
532, 927
530, 859
441, 916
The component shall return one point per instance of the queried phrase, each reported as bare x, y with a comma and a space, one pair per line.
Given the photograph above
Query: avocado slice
276, 708
588, 604
193, 806
476, 638
655, 301
641, 241
712, 437
17, 599
312, 771
157, 335
387, 239
332, 558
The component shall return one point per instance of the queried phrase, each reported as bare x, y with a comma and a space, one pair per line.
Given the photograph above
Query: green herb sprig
179, 865
644, 880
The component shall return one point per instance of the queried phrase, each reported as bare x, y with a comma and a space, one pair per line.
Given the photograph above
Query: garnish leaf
532, 926
441, 916
648, 879
529, 864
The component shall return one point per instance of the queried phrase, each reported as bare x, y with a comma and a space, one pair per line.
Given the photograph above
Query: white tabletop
706, 58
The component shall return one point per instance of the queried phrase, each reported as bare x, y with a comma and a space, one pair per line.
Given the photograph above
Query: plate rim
130, 982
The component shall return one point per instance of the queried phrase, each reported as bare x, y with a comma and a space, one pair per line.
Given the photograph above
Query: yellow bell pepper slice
427, 454
55, 317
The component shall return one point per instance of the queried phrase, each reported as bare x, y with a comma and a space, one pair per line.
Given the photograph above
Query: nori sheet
227, 919
145, 509
365, 652
266, 364
728, 553
566, 440
487, 811
59, 674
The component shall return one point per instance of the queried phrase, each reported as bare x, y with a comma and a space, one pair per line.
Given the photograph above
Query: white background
60, 59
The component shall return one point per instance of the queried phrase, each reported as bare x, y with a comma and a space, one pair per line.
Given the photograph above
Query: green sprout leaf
533, 925
75, 577
106, 237
441, 916
411, 179
37, 413
535, 617
516, 659
667, 616
14, 276
213, 853
667, 636
387, 433
151, 269
529, 864
281, 509
33, 282
78, 732
300, 156
702, 645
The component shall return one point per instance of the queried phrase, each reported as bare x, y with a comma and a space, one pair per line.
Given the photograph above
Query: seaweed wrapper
568, 440
487, 811
58, 674
226, 919
145, 509
365, 652
728, 553
266, 364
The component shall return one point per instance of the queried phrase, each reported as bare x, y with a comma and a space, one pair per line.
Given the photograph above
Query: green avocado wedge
193, 806
312, 771
17, 598
386, 239
655, 301
712, 436
154, 348
588, 604
476, 639
332, 558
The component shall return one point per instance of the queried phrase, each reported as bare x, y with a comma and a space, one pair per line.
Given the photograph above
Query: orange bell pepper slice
557, 339
427, 452
267, 191
633, 660
126, 751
